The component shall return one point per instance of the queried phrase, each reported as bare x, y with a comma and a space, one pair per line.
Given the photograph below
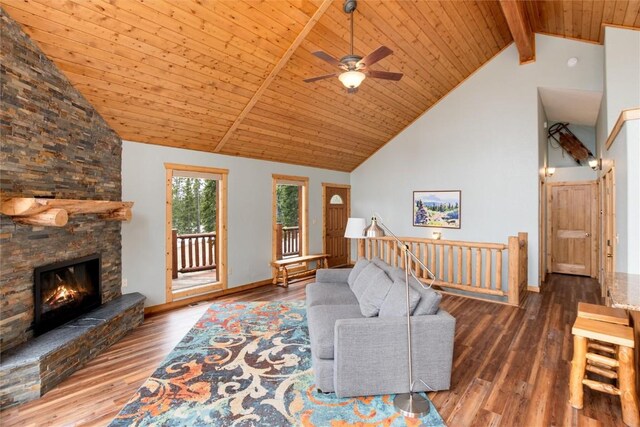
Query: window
196, 230
290, 209
336, 200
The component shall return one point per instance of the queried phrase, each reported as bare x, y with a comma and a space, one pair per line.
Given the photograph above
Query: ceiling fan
354, 67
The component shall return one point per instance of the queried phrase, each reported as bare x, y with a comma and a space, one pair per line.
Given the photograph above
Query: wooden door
608, 222
573, 220
336, 213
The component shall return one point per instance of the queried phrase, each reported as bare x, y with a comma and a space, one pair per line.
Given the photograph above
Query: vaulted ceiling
226, 76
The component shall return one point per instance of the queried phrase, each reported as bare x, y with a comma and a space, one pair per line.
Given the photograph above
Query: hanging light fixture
351, 79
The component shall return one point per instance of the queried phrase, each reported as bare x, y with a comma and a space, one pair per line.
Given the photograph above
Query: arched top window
336, 200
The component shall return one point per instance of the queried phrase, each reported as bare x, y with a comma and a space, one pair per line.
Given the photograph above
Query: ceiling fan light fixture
351, 79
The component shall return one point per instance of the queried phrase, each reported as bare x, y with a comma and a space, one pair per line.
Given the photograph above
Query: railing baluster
441, 263
416, 252
487, 268
499, 269
478, 267
425, 249
432, 262
459, 272
469, 269
388, 258
450, 264
196, 249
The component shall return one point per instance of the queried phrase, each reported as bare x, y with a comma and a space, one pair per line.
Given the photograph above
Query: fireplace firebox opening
66, 290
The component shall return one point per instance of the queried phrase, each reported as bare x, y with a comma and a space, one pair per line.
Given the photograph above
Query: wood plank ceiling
226, 76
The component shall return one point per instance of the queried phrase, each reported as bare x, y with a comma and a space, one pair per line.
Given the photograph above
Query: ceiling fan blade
384, 75
375, 56
328, 58
315, 79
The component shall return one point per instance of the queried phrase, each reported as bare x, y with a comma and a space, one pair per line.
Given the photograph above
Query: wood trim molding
274, 72
155, 309
191, 168
520, 27
221, 230
536, 289
625, 115
302, 181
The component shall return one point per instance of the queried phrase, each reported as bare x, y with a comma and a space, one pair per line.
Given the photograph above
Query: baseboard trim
535, 289
161, 308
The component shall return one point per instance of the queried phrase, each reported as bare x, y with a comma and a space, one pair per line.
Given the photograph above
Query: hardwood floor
511, 365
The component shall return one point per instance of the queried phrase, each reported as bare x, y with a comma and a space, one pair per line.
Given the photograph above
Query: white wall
622, 91
622, 63
624, 155
249, 213
482, 139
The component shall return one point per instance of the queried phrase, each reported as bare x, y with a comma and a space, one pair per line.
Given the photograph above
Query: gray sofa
358, 331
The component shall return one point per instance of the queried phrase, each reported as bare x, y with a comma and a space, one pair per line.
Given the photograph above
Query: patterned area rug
249, 364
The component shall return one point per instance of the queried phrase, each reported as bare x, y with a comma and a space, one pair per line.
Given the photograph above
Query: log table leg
578, 365
627, 385
285, 277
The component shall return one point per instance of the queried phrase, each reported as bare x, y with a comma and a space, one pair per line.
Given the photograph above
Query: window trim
221, 231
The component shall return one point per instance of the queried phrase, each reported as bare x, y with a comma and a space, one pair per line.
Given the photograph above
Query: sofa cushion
369, 274
375, 293
330, 294
357, 269
321, 321
391, 271
429, 298
395, 304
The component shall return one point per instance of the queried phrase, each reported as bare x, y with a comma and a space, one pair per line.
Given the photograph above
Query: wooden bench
281, 268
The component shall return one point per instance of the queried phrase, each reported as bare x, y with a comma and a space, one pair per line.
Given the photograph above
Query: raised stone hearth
32, 369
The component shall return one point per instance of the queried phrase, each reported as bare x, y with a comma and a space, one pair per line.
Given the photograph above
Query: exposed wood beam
520, 27
274, 72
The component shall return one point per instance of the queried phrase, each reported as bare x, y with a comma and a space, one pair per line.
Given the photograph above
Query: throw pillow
396, 302
374, 294
429, 298
356, 270
363, 280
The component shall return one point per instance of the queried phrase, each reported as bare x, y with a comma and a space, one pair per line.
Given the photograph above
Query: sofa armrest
371, 354
332, 275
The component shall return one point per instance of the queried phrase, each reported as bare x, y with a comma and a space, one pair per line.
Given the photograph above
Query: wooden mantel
55, 212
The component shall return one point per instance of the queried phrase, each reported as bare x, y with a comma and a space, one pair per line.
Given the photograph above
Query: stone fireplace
55, 145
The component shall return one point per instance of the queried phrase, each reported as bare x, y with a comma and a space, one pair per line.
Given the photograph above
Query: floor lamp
408, 404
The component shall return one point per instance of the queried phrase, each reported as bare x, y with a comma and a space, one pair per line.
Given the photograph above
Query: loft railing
289, 238
473, 267
193, 252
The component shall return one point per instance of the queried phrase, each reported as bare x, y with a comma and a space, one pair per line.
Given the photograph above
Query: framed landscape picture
436, 209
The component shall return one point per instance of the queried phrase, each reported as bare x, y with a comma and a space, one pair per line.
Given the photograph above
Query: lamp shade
351, 79
374, 230
355, 228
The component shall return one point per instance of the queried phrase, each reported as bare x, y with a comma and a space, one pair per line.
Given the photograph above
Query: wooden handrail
625, 115
475, 267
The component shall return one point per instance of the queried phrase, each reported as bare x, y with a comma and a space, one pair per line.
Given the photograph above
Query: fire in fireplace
65, 290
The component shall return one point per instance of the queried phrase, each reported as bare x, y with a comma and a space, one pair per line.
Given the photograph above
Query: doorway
572, 238
196, 230
290, 236
336, 208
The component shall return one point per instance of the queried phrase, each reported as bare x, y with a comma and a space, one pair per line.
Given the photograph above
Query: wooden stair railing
474, 267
